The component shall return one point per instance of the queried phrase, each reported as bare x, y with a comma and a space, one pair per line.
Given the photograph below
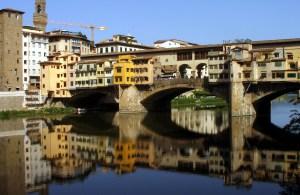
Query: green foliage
200, 99
40, 112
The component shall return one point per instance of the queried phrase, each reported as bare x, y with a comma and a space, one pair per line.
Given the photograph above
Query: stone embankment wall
12, 100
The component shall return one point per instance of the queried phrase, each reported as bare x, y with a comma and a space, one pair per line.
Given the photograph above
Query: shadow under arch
93, 99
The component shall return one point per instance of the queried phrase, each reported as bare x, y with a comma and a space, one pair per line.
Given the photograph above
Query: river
187, 151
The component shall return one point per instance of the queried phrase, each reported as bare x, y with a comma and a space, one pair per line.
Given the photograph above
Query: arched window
39, 9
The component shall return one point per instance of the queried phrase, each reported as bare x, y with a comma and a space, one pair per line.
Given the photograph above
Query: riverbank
199, 99
33, 113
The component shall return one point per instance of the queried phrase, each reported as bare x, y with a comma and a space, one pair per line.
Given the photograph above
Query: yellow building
131, 70
58, 75
125, 156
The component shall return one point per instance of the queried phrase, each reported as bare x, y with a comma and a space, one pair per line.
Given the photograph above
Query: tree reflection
294, 125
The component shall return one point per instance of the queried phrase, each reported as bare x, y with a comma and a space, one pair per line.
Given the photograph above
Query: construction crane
91, 27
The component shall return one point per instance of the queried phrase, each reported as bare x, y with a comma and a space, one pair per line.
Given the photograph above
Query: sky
198, 21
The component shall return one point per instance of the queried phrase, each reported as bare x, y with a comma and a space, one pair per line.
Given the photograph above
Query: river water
187, 151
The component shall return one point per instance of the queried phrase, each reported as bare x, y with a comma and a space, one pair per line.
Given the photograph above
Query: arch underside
93, 100
161, 100
271, 93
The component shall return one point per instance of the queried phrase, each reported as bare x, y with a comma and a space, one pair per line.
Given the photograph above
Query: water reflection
71, 148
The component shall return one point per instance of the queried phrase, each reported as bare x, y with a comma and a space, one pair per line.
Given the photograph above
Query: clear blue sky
200, 21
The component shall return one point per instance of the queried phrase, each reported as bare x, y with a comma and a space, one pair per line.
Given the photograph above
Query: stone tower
40, 18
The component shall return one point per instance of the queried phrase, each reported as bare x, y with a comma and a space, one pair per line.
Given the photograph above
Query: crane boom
91, 27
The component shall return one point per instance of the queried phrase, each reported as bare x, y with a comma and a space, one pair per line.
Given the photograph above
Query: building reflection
54, 151
203, 121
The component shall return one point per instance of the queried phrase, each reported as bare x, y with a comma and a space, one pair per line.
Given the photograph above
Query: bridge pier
241, 102
130, 100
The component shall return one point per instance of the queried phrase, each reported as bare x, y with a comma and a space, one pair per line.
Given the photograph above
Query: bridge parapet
194, 83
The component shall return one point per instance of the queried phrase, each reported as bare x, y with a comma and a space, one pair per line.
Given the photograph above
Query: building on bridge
131, 70
120, 44
92, 74
58, 75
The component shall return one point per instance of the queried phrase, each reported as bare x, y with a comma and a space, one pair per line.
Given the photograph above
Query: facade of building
273, 60
11, 50
119, 44
35, 50
58, 75
130, 70
172, 43
94, 74
66, 41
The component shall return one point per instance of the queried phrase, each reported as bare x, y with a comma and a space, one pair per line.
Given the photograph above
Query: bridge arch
160, 100
265, 94
94, 99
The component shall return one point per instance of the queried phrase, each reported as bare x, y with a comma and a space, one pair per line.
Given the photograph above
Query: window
293, 65
247, 74
199, 55
263, 75
278, 64
43, 75
266, 56
291, 75
112, 49
119, 69
276, 55
25, 61
25, 44
276, 75
261, 64
290, 56
184, 56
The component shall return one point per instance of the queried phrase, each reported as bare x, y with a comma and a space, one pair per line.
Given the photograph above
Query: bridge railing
160, 83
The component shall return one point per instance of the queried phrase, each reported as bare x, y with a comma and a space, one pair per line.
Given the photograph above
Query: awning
169, 69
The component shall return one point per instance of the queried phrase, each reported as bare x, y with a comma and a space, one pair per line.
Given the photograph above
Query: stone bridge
246, 98
254, 98
156, 97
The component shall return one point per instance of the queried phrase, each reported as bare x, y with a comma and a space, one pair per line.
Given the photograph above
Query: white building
172, 43
35, 50
119, 44
37, 170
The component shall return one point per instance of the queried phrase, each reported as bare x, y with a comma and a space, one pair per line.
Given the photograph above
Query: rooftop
11, 10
